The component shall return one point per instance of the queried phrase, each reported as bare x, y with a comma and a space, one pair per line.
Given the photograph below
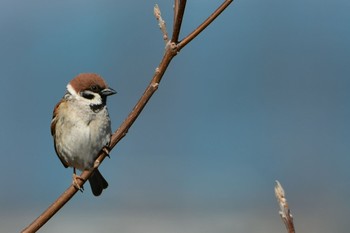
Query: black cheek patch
87, 95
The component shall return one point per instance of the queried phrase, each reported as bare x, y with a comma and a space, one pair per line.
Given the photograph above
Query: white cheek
96, 100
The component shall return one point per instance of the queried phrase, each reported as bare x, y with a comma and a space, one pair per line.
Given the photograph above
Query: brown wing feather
53, 131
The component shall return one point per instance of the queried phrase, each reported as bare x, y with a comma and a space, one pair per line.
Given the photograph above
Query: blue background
262, 94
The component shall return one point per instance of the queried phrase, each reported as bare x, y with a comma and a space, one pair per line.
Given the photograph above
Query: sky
261, 95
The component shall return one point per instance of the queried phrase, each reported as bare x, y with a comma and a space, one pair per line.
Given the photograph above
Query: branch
172, 48
179, 10
284, 212
205, 24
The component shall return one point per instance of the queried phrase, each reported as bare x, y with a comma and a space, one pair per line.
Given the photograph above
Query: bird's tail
97, 183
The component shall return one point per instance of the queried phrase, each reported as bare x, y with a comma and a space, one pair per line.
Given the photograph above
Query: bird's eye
87, 95
94, 88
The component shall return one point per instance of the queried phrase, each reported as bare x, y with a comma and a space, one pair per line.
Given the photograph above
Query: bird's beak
107, 92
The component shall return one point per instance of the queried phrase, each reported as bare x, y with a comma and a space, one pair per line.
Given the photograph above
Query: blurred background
261, 95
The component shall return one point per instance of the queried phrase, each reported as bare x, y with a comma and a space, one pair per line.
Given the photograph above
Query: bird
81, 127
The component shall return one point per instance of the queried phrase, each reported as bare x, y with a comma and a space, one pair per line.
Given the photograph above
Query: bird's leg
75, 181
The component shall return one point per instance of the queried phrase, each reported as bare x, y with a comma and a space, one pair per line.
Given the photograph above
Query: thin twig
179, 10
284, 212
171, 51
176, 8
201, 27
161, 23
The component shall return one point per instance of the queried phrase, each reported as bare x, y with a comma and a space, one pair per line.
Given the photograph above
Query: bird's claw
106, 151
75, 182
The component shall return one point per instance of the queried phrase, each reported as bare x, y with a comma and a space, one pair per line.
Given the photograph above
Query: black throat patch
96, 107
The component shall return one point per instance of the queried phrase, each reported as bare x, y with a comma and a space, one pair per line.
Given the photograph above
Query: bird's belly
82, 145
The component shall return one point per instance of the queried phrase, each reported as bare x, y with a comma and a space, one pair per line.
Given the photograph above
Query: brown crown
85, 81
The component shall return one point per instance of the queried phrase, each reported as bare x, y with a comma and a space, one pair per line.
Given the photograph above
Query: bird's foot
76, 184
105, 149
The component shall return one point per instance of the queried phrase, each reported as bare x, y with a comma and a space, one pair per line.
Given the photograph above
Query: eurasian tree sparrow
81, 127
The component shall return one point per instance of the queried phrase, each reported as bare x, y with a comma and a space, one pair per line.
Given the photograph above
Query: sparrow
81, 127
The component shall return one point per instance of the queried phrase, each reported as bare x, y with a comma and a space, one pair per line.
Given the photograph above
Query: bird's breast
81, 135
